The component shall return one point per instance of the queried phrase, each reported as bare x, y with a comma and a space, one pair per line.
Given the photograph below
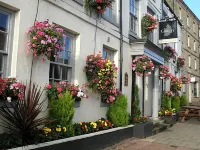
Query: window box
143, 130
94, 141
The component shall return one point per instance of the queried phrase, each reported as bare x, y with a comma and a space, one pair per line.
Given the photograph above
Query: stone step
159, 128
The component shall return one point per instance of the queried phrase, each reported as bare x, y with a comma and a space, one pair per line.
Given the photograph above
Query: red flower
99, 1
59, 89
135, 119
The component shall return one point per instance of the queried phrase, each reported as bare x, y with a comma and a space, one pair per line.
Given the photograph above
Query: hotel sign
168, 32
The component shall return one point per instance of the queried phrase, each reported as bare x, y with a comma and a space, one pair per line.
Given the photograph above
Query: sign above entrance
168, 31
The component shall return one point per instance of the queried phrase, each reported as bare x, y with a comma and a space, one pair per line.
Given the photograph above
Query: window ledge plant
164, 72
176, 84
180, 61
142, 65
170, 52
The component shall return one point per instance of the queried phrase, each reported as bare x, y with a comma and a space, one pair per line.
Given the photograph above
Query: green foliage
136, 103
184, 100
117, 112
176, 102
62, 110
166, 101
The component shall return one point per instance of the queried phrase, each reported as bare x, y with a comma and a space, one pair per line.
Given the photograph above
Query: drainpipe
121, 46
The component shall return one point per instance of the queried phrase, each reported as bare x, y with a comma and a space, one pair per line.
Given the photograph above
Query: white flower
9, 99
11, 87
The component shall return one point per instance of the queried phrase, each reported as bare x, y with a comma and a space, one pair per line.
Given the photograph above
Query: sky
194, 6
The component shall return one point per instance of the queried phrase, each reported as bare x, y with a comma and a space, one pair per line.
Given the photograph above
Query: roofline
189, 9
170, 9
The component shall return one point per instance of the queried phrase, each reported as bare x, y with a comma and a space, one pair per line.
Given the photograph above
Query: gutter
121, 47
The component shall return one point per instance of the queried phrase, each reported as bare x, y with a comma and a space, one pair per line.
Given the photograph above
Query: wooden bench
190, 111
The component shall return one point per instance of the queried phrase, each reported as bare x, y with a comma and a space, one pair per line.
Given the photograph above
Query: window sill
110, 21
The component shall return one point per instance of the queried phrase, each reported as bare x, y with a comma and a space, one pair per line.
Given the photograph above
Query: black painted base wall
97, 142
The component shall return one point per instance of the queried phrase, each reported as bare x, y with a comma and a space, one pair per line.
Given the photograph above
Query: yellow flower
46, 130
64, 129
58, 129
99, 74
106, 124
85, 126
100, 81
80, 123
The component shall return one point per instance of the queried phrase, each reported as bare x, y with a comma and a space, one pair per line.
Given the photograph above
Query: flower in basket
100, 74
98, 6
164, 72
168, 113
45, 39
170, 52
11, 88
142, 119
180, 61
142, 65
149, 23
176, 84
169, 93
185, 79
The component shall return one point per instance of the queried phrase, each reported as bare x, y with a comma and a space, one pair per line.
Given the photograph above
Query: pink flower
59, 89
20, 95
49, 86
144, 67
49, 41
40, 33
43, 42
35, 37
60, 95
43, 59
55, 40
33, 45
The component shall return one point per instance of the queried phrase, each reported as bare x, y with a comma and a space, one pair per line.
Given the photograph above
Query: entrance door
148, 95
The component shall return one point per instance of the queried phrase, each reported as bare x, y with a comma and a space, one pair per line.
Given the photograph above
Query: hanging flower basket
142, 65
45, 39
164, 72
185, 79
180, 61
149, 23
100, 74
170, 52
98, 6
176, 84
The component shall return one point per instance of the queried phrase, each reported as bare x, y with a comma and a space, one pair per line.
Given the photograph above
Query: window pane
3, 22
67, 57
57, 72
64, 73
60, 57
105, 56
51, 71
2, 40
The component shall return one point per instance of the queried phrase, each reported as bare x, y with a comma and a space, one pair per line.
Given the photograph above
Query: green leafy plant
176, 103
166, 101
117, 113
136, 103
23, 121
184, 100
62, 111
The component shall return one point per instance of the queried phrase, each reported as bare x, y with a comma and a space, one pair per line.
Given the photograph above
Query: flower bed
170, 52
45, 39
149, 23
11, 88
164, 72
142, 65
100, 74
98, 6
56, 90
185, 79
180, 61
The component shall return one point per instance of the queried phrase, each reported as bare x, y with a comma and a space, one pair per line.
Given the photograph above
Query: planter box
170, 119
93, 141
143, 130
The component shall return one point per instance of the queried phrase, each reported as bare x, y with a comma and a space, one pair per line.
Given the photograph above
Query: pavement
182, 136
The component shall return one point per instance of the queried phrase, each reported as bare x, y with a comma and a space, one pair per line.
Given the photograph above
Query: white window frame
110, 54
69, 66
189, 61
7, 52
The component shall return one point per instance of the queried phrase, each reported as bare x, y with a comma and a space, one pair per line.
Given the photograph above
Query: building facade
190, 47
86, 34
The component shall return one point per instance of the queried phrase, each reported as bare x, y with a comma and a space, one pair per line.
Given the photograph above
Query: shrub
23, 121
136, 103
184, 100
166, 101
62, 111
117, 112
176, 103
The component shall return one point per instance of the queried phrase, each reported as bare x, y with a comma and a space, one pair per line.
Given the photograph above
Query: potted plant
148, 23
142, 65
170, 52
169, 116
142, 128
